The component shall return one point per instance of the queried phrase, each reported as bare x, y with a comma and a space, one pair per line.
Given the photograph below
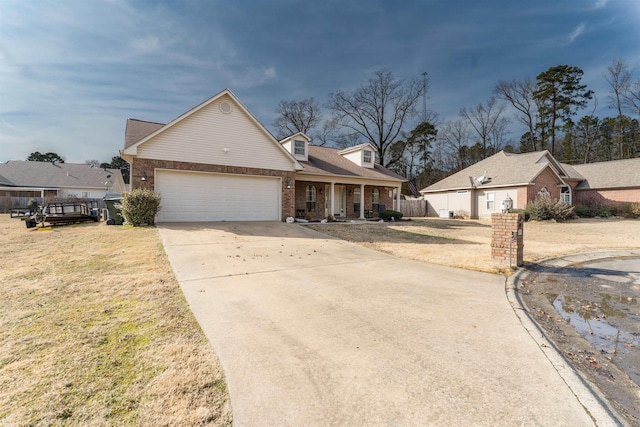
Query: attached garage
201, 196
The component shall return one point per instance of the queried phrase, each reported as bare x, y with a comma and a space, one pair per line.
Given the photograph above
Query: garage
200, 196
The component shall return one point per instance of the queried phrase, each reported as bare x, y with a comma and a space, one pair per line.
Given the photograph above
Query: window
490, 201
356, 200
298, 147
366, 156
311, 198
86, 194
565, 195
375, 200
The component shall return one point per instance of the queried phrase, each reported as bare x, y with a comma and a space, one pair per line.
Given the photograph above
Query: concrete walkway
314, 331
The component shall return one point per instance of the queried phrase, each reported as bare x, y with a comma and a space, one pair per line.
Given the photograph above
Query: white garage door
198, 196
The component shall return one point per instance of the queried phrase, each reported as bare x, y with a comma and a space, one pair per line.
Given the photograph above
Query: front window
375, 200
311, 198
367, 156
356, 200
490, 201
565, 195
298, 147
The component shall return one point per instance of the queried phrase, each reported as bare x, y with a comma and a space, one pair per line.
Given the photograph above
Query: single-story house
217, 162
482, 188
22, 180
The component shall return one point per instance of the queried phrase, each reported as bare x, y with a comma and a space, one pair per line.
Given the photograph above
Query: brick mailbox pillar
507, 238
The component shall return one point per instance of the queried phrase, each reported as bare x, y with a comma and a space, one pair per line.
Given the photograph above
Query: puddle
589, 319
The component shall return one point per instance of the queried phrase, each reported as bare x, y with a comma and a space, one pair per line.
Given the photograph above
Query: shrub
635, 209
544, 208
584, 211
388, 214
140, 207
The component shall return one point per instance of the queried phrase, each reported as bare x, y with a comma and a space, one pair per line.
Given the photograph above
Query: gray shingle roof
138, 129
613, 174
501, 169
327, 161
21, 173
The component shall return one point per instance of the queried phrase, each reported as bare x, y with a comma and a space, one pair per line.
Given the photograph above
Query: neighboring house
216, 162
22, 180
481, 189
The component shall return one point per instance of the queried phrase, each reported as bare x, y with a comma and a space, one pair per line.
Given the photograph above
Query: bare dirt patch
94, 330
467, 243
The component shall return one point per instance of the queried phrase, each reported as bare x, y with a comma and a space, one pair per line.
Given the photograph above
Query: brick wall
606, 197
149, 166
545, 180
502, 226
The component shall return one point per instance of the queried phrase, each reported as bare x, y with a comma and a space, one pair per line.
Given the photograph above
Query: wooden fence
413, 207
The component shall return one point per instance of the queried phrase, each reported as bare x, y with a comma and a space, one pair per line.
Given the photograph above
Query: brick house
217, 162
481, 189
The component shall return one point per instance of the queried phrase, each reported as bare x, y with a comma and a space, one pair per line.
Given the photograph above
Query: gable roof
22, 173
613, 174
329, 161
357, 148
140, 127
503, 170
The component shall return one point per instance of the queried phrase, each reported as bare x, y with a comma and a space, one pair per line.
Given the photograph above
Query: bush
635, 209
388, 214
140, 207
584, 211
544, 208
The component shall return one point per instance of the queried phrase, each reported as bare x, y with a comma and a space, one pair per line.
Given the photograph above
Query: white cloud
599, 4
577, 32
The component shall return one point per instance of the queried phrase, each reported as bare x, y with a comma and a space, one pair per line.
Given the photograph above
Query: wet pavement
588, 306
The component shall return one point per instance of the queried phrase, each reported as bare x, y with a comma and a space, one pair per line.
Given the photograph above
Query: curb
590, 398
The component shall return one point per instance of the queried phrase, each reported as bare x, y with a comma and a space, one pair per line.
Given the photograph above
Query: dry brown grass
94, 330
466, 243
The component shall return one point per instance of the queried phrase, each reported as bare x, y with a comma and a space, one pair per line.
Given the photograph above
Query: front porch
320, 200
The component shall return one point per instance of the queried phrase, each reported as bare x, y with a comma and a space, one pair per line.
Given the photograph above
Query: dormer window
366, 156
299, 147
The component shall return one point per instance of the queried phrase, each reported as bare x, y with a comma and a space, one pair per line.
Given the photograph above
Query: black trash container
114, 215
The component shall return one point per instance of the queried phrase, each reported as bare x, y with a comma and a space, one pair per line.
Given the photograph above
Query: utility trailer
64, 213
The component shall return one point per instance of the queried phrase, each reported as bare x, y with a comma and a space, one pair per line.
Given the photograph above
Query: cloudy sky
73, 71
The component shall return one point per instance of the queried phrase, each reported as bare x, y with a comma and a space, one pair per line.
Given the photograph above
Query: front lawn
94, 330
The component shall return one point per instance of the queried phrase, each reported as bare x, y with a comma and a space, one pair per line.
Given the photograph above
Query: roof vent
225, 107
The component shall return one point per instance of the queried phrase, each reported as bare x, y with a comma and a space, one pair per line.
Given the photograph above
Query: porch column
398, 194
362, 201
333, 198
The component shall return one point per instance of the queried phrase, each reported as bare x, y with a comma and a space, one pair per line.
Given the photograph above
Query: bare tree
297, 116
378, 110
483, 119
632, 98
455, 136
619, 79
520, 95
92, 163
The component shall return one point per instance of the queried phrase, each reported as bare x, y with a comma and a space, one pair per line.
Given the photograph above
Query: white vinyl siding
212, 137
199, 196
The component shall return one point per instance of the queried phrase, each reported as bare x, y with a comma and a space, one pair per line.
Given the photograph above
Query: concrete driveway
314, 331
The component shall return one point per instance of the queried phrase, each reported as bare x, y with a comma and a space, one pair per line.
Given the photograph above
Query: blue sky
73, 71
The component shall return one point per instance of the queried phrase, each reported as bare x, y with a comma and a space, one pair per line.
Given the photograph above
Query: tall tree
560, 94
632, 98
619, 80
485, 119
297, 116
37, 156
455, 137
378, 111
520, 95
416, 146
